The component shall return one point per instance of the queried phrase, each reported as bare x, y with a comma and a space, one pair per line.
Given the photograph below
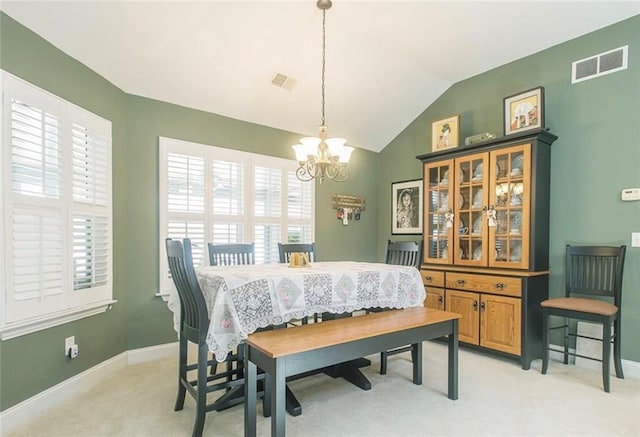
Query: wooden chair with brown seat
593, 293
402, 253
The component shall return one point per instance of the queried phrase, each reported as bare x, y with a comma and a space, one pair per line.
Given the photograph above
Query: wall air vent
599, 65
283, 81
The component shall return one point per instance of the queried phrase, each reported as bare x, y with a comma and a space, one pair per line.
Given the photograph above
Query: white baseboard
151, 353
26, 410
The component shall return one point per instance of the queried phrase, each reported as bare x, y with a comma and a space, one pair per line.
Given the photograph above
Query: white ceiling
387, 61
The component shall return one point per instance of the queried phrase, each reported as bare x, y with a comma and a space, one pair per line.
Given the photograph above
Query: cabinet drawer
432, 278
502, 285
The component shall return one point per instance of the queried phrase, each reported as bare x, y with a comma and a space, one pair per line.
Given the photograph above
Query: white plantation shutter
35, 279
268, 192
193, 230
215, 195
229, 201
228, 188
91, 217
299, 210
36, 159
90, 166
90, 251
57, 209
266, 240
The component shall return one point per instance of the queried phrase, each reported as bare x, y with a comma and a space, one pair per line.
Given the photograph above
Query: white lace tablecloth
241, 299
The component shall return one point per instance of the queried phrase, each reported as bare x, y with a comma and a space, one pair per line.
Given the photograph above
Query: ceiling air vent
283, 81
599, 65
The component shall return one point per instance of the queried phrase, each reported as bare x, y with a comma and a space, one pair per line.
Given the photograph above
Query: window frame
71, 304
210, 153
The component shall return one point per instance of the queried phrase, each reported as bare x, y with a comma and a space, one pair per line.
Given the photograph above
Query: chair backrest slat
404, 253
231, 254
194, 318
595, 271
286, 249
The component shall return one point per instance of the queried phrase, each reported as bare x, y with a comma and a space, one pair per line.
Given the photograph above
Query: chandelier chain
324, 29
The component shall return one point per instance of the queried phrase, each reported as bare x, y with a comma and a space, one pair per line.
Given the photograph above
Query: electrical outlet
635, 239
74, 351
68, 344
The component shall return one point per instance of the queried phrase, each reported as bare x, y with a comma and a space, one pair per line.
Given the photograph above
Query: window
56, 203
215, 195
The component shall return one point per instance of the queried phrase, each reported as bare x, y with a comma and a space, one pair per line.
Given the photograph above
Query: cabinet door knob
428, 278
475, 305
500, 285
461, 281
440, 299
482, 306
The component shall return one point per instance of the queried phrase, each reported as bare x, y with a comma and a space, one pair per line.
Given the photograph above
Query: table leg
250, 395
453, 361
416, 358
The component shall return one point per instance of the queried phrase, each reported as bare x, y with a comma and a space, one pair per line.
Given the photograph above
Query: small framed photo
445, 134
524, 111
406, 207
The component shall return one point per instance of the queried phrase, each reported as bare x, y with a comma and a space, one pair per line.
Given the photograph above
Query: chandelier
321, 157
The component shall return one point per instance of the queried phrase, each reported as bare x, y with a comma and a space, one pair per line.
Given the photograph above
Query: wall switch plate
68, 344
635, 239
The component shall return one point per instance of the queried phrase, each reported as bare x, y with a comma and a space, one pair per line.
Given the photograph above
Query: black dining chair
593, 292
194, 324
231, 254
402, 253
286, 249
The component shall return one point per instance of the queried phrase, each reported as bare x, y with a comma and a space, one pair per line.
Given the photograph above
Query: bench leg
266, 400
278, 401
416, 357
250, 395
453, 361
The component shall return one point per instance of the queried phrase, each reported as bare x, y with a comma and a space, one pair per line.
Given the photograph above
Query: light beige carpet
496, 398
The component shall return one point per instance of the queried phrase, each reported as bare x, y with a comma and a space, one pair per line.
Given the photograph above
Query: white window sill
13, 330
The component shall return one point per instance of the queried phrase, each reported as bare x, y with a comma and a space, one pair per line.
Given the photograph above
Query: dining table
242, 299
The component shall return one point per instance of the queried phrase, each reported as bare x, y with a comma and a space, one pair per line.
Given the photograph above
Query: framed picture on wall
406, 207
445, 134
524, 111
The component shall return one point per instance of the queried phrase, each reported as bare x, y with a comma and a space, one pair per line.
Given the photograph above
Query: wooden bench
284, 352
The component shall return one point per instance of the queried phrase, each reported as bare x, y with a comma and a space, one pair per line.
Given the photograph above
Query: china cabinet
486, 237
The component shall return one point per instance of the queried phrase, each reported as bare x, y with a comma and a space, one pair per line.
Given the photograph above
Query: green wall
32, 363
596, 155
148, 320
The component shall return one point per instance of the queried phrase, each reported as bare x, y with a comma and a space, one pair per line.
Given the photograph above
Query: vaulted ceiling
386, 61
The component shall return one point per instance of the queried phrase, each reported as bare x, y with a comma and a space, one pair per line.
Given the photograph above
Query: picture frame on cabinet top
524, 111
445, 134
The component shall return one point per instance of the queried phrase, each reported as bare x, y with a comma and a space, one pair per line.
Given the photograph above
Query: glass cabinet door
470, 231
438, 211
510, 201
